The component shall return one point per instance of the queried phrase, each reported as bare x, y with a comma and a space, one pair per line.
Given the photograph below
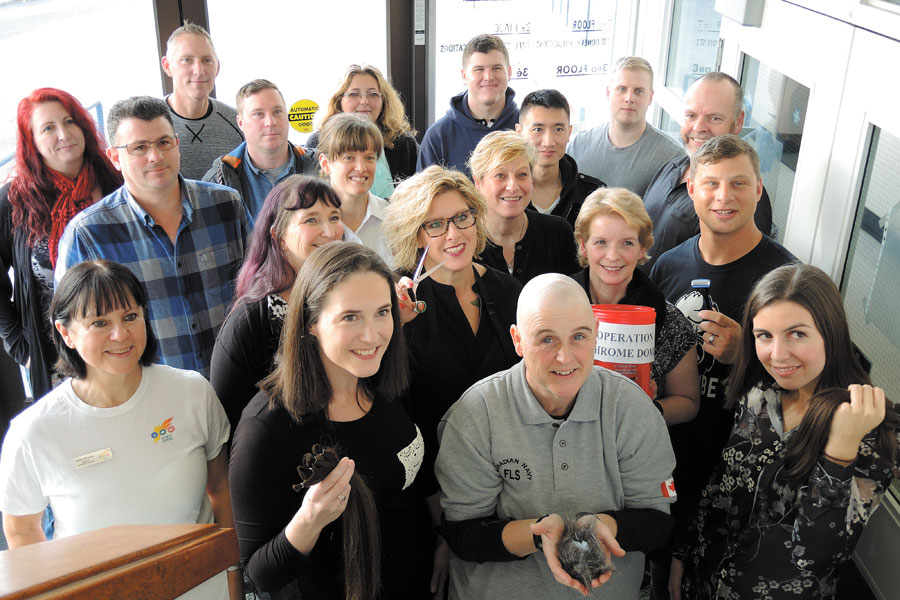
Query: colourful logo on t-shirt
163, 431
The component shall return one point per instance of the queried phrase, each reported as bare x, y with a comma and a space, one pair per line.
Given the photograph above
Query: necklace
509, 265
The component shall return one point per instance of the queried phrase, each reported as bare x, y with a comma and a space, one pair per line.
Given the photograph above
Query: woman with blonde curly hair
364, 91
463, 333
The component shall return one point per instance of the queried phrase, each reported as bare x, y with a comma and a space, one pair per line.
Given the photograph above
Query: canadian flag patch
668, 488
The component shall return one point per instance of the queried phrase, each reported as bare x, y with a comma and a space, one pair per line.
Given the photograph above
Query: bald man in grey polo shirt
551, 436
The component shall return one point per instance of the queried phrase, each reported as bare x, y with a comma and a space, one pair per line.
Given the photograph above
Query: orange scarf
73, 197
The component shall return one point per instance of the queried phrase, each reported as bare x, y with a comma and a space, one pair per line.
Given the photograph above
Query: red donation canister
626, 340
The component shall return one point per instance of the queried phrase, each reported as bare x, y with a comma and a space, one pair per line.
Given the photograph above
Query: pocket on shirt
218, 268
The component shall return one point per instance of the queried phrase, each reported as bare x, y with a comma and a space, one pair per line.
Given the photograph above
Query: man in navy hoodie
487, 105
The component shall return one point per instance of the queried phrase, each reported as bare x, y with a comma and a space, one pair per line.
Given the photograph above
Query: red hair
32, 193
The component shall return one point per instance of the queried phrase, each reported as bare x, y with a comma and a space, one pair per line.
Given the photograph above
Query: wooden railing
125, 561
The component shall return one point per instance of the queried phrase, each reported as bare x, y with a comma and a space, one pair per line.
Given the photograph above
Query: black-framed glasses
438, 227
164, 144
357, 95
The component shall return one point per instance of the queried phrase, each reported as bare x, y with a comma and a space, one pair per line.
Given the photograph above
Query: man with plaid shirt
183, 239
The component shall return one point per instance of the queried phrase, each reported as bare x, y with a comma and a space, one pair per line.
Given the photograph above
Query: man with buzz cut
713, 105
558, 187
206, 128
183, 239
552, 437
731, 253
627, 151
487, 105
266, 157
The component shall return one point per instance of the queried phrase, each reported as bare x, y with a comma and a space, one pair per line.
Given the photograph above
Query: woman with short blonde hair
522, 243
613, 233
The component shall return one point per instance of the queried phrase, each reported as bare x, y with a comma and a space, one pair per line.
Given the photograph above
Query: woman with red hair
61, 168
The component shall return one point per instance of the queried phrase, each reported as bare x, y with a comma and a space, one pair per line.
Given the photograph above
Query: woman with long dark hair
60, 168
342, 363
813, 449
363, 90
299, 215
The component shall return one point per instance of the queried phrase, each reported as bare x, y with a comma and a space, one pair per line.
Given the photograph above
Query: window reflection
775, 108
871, 279
66, 44
693, 42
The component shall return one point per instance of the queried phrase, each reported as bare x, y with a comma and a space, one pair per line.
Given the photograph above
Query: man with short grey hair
553, 436
183, 239
713, 106
206, 127
626, 152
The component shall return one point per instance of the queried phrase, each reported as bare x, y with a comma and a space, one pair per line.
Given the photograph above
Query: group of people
388, 369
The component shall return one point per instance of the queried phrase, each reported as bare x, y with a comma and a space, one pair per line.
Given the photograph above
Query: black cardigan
20, 307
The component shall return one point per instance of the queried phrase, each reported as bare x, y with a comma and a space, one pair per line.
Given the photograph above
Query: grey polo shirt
502, 453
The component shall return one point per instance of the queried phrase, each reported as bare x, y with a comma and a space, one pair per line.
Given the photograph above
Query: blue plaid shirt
190, 284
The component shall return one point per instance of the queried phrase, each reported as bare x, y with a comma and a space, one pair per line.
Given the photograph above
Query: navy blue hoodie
451, 139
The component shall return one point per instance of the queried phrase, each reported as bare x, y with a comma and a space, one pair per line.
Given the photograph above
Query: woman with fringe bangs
324, 429
813, 449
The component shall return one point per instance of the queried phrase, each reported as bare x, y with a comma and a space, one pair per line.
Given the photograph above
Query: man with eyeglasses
183, 239
266, 157
206, 127
487, 105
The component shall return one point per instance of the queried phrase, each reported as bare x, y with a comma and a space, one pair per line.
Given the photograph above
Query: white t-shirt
150, 478
142, 462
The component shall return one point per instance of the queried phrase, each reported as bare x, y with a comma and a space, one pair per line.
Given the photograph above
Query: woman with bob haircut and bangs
300, 214
342, 364
813, 449
348, 152
60, 168
364, 90
613, 233
462, 335
148, 441
523, 244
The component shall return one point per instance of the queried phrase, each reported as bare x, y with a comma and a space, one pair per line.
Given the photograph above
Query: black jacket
576, 187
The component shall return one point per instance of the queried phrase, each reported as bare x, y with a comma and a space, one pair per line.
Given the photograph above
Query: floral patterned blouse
754, 537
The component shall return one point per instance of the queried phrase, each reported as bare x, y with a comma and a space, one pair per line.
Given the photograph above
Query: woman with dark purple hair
299, 215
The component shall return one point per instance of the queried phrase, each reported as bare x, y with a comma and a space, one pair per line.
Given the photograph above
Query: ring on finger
712, 337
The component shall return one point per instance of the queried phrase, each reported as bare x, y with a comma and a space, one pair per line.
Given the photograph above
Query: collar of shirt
587, 402
187, 205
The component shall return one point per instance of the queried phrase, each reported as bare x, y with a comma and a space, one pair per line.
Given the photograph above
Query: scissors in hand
419, 306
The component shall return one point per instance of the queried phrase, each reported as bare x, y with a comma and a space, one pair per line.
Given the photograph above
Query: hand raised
721, 335
853, 420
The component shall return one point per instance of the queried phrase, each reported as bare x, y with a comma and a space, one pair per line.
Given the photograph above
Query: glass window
306, 64
871, 281
670, 126
693, 42
98, 51
775, 108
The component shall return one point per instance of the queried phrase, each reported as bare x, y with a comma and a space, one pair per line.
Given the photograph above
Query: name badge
93, 458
